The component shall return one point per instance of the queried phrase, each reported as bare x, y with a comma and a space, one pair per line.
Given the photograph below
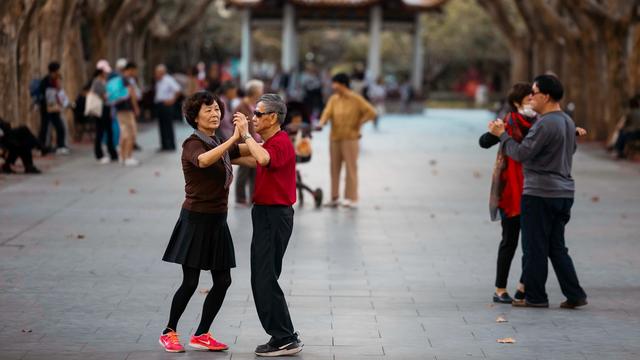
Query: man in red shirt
272, 217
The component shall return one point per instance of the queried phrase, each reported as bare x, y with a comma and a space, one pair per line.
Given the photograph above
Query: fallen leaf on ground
80, 236
433, 216
203, 291
56, 182
477, 175
132, 191
506, 341
501, 319
376, 207
595, 199
156, 173
432, 162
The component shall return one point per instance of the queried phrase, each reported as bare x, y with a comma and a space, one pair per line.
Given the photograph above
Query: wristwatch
246, 136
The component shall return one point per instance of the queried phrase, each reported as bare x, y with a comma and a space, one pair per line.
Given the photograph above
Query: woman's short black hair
550, 85
518, 92
341, 78
192, 105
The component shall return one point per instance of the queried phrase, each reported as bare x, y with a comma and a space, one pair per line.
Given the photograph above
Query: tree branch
160, 30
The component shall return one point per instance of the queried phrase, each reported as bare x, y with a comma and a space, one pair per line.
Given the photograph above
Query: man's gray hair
273, 103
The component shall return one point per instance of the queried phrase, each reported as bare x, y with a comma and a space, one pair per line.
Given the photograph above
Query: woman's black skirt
201, 241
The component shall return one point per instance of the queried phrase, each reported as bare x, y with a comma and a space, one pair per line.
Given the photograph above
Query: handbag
93, 105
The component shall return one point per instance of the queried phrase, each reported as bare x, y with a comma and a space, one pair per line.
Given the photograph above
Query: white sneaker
350, 204
131, 162
63, 151
104, 160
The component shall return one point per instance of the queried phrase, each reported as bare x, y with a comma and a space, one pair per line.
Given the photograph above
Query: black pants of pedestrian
56, 121
272, 227
104, 127
245, 175
165, 124
507, 249
19, 143
212, 303
543, 222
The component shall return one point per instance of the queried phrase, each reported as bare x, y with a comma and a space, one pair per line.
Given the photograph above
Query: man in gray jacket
546, 154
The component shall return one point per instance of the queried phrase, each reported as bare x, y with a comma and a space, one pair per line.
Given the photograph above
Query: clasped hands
241, 125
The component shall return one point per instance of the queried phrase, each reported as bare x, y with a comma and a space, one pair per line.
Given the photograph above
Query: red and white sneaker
171, 342
207, 342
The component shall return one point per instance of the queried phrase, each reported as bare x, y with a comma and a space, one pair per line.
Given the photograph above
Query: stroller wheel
317, 196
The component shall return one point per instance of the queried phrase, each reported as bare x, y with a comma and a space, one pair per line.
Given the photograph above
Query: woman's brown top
204, 187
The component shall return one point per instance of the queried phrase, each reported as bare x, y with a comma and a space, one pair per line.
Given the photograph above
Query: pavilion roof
409, 4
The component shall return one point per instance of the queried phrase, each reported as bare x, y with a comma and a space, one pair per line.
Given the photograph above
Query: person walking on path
127, 110
247, 175
51, 107
272, 217
347, 112
101, 116
167, 92
546, 153
201, 239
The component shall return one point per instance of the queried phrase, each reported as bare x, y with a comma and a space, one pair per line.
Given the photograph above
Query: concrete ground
408, 275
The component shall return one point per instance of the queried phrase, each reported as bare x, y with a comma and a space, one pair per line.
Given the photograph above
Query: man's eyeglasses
261, 114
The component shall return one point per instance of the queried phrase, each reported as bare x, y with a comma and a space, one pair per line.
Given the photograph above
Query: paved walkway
408, 275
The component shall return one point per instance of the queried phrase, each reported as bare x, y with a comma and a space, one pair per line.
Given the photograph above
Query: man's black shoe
573, 304
290, 348
519, 295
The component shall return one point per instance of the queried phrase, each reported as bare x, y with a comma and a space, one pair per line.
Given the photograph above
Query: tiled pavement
408, 275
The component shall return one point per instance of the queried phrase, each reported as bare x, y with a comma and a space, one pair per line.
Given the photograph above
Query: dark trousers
104, 127
245, 175
543, 223
165, 124
272, 227
623, 138
56, 120
507, 249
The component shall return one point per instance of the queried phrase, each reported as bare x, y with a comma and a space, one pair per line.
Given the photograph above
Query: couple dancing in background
532, 189
201, 239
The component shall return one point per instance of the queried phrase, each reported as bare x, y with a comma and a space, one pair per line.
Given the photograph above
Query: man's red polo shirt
276, 183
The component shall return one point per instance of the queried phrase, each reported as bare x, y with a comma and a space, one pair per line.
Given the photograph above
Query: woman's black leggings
212, 304
508, 246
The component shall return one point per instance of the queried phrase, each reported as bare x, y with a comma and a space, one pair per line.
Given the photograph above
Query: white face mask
528, 111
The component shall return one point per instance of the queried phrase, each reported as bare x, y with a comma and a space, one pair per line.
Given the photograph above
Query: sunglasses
261, 114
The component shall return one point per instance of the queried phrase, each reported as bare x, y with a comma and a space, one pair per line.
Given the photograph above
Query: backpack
117, 90
35, 91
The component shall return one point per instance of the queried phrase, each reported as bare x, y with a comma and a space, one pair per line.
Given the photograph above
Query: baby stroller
298, 125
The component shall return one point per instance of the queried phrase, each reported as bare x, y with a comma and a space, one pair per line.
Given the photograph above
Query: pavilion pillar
417, 72
245, 48
289, 59
375, 30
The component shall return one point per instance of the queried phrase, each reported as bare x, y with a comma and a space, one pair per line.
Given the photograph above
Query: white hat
121, 63
104, 66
